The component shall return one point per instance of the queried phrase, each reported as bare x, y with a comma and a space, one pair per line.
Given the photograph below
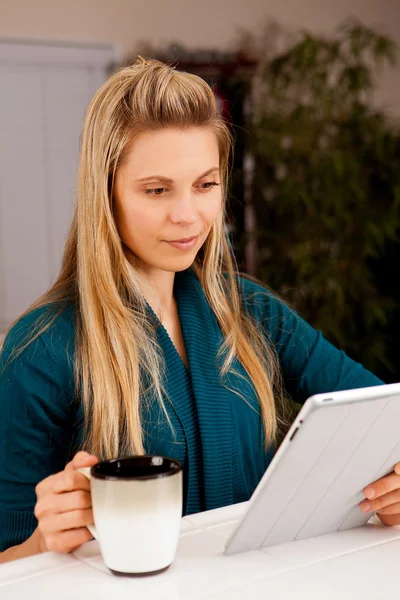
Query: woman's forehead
170, 151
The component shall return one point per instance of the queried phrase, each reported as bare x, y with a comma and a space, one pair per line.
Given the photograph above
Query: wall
44, 94
195, 24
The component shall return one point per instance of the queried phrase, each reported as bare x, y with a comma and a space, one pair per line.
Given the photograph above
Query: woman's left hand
383, 496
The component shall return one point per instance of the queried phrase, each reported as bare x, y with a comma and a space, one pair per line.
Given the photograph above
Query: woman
149, 342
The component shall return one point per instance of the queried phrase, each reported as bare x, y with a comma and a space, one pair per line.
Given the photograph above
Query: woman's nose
184, 211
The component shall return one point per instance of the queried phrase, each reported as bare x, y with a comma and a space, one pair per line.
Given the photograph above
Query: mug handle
86, 472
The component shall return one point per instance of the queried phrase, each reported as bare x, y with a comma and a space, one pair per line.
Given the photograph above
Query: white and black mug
137, 509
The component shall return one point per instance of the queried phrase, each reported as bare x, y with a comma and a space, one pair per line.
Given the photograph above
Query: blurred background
312, 92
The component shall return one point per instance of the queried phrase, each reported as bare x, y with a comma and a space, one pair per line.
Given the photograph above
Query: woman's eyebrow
168, 180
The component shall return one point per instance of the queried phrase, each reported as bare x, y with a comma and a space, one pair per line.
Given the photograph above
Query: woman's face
166, 190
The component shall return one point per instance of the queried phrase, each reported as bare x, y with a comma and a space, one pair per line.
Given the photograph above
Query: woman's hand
64, 507
383, 496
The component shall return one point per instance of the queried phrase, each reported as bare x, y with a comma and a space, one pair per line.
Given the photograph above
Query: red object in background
222, 103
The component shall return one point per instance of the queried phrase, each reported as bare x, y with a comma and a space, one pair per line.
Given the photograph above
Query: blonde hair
116, 348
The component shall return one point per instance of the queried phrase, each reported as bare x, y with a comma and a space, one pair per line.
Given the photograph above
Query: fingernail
370, 492
365, 506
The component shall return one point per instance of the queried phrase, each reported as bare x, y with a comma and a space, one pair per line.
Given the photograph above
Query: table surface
361, 563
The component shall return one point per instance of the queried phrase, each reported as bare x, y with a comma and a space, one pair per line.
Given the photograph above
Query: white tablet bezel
247, 533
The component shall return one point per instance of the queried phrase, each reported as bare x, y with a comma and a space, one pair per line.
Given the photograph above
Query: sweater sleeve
310, 364
35, 430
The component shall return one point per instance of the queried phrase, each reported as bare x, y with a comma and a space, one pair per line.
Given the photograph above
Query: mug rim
168, 473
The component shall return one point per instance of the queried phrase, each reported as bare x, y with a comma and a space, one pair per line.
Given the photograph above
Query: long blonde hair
116, 349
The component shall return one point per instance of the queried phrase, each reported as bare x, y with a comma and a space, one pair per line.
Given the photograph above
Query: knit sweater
216, 434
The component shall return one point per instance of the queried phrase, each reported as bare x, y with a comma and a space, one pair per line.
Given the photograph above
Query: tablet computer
338, 444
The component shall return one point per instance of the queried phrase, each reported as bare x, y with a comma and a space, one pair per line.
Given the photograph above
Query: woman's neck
158, 290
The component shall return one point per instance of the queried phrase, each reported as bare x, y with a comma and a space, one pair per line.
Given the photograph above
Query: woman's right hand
64, 507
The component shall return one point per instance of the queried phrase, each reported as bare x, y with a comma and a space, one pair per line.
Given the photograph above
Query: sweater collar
202, 337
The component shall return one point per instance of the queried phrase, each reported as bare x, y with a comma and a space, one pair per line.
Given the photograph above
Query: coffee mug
137, 509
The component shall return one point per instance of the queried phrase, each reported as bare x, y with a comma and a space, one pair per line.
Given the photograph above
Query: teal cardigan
216, 435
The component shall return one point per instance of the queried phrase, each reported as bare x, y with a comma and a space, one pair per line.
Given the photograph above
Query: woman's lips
188, 245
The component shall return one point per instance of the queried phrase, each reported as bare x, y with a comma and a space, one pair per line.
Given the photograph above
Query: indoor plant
325, 188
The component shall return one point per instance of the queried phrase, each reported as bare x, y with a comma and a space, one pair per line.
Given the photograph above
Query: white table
361, 563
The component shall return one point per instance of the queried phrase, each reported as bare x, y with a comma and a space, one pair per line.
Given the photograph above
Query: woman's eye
153, 192
159, 191
209, 183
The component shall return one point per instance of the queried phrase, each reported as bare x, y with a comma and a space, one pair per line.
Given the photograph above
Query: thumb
82, 459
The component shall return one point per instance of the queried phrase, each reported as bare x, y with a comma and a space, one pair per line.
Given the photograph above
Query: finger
78, 500
392, 509
46, 485
397, 468
64, 481
390, 520
68, 541
381, 502
82, 459
60, 503
74, 519
69, 481
382, 486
